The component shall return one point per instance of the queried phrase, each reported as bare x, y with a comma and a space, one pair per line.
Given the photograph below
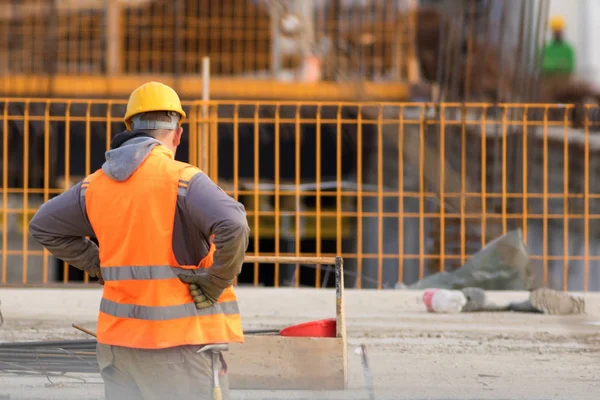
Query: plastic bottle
444, 301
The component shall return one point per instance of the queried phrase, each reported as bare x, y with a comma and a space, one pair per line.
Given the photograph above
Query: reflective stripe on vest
165, 313
127, 273
144, 304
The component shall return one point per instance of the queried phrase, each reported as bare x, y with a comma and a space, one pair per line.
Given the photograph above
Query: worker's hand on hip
100, 278
204, 292
95, 272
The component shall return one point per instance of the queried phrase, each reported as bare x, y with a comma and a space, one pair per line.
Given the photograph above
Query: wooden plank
287, 363
290, 260
340, 315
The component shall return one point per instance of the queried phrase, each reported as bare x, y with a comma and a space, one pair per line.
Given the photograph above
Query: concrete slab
413, 354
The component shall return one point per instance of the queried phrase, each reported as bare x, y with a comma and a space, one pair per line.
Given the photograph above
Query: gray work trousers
174, 373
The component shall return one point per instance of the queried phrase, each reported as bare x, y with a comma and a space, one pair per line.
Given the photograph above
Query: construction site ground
412, 354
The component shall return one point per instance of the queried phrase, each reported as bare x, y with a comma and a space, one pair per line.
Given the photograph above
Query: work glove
95, 272
204, 291
100, 279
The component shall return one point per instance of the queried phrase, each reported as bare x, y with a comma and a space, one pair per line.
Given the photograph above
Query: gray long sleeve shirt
61, 224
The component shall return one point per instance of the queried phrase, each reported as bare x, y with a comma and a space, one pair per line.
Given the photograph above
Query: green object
559, 58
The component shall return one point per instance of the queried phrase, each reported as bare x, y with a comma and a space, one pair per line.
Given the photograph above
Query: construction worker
171, 243
559, 56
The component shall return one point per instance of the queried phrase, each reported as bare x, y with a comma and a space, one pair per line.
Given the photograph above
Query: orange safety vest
144, 304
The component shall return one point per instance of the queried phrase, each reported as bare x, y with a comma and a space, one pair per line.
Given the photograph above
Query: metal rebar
54, 344
82, 329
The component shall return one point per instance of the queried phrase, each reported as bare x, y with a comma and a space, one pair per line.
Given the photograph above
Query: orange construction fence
399, 190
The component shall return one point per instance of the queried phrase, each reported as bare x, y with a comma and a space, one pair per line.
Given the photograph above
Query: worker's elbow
39, 228
240, 220
35, 228
238, 229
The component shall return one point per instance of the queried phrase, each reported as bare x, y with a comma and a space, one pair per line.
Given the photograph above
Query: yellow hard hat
557, 23
153, 96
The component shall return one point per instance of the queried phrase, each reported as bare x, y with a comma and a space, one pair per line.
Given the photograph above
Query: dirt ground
413, 354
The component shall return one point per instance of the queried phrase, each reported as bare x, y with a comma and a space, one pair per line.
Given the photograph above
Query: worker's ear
177, 136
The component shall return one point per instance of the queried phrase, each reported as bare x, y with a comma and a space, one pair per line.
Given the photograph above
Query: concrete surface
412, 354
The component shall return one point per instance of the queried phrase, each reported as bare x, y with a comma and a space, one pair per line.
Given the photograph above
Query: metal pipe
487, 20
275, 9
501, 42
540, 45
439, 60
470, 39
205, 98
113, 37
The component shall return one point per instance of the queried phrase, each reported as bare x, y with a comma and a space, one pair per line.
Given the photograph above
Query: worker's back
132, 204
171, 244
134, 218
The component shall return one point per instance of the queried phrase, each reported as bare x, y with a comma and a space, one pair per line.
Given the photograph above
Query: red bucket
322, 328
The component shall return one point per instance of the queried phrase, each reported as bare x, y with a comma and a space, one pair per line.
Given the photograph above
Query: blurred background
403, 135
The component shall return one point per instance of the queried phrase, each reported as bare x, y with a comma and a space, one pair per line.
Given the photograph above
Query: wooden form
302, 363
